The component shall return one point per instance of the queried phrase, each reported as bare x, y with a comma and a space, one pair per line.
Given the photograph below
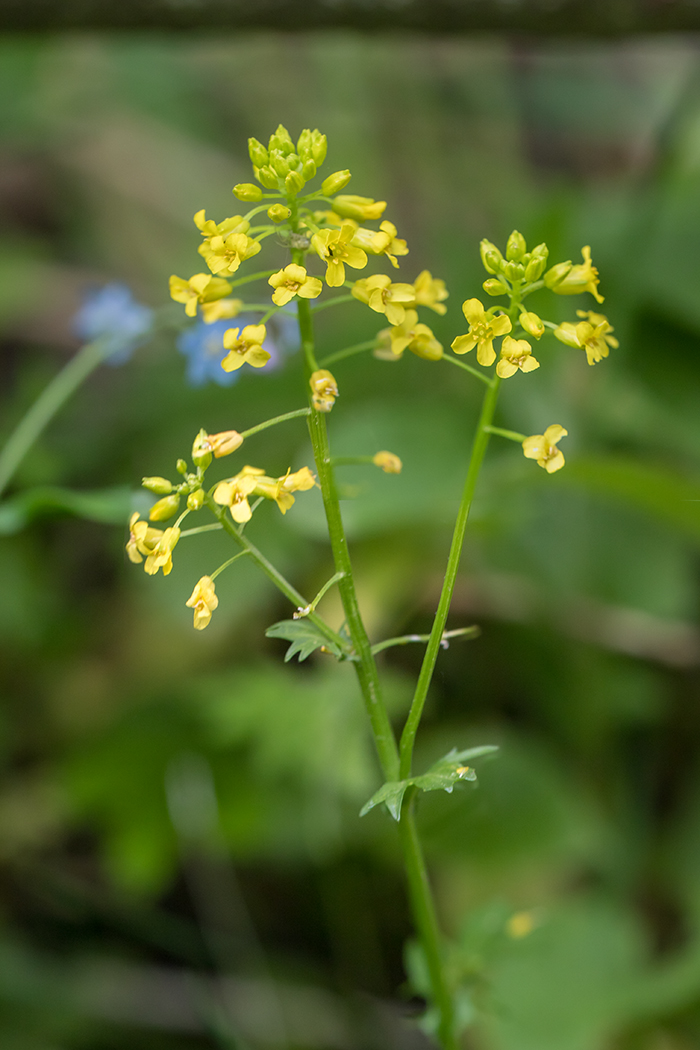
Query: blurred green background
181, 861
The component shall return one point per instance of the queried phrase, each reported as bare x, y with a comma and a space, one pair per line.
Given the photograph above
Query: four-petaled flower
280, 489
543, 448
234, 493
580, 278
381, 295
416, 337
430, 291
483, 329
142, 538
161, 557
225, 254
203, 600
383, 241
592, 335
202, 288
294, 280
336, 249
246, 348
515, 354
209, 228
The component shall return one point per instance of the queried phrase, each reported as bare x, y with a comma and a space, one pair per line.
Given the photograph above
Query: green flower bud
278, 212
258, 153
165, 508
491, 257
319, 147
201, 450
515, 271
181, 466
516, 247
281, 140
532, 324
195, 500
268, 178
294, 183
537, 263
247, 191
159, 486
308, 169
494, 287
304, 142
556, 274
278, 162
335, 182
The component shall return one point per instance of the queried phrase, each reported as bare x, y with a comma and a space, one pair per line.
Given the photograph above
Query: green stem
273, 422
290, 592
241, 554
467, 368
365, 667
334, 302
200, 528
51, 399
252, 277
425, 917
408, 639
349, 351
481, 441
302, 613
512, 435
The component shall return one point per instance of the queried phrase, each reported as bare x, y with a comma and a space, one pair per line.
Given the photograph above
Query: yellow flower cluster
252, 481
397, 301
155, 545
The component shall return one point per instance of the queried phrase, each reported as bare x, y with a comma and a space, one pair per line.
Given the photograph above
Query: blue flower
203, 346
112, 312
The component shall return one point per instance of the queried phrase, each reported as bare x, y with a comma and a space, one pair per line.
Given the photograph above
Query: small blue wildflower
112, 311
203, 346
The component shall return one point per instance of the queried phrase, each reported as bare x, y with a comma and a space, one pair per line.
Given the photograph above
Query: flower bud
516, 247
494, 287
258, 153
201, 450
308, 169
247, 191
267, 177
361, 209
324, 390
195, 499
294, 183
532, 324
387, 462
304, 142
490, 257
319, 147
557, 273
159, 486
514, 271
278, 212
181, 466
278, 162
537, 263
224, 443
165, 508
335, 182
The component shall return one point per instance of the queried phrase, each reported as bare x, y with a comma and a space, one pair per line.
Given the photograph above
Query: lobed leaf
305, 637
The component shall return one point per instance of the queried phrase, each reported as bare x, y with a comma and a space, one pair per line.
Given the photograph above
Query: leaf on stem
305, 637
449, 770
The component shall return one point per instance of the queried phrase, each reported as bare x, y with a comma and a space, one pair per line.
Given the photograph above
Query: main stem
481, 441
365, 665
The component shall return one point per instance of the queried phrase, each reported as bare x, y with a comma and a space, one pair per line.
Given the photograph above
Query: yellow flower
592, 335
225, 254
294, 280
418, 338
387, 462
430, 291
161, 557
202, 288
234, 493
324, 390
203, 600
382, 296
301, 481
581, 278
209, 228
246, 348
520, 924
336, 249
379, 242
221, 444
543, 448
221, 310
142, 538
515, 354
362, 209
483, 329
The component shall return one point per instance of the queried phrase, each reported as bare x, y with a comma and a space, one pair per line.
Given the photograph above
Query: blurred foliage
179, 812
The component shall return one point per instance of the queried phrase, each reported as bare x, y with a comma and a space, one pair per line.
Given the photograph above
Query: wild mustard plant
328, 234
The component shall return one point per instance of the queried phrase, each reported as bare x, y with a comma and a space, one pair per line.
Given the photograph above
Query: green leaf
305, 637
108, 506
449, 770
